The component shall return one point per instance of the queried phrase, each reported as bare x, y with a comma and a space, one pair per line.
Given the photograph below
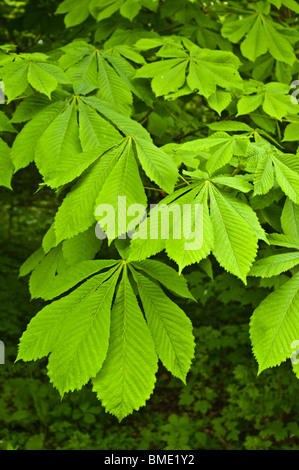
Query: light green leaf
122, 188
219, 101
77, 213
263, 176
287, 179
166, 276
157, 164
290, 219
23, 149
274, 265
127, 377
73, 275
235, 245
6, 165
170, 328
274, 325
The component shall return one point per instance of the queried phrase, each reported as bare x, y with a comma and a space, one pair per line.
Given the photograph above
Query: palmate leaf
274, 325
206, 70
106, 179
82, 344
221, 146
230, 229
89, 68
30, 70
265, 161
261, 36
274, 98
127, 377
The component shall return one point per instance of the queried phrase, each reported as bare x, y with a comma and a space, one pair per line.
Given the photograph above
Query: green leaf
274, 325
126, 125
197, 237
74, 165
170, 328
171, 79
287, 179
60, 139
41, 80
291, 132
235, 245
94, 130
247, 104
235, 30
264, 176
112, 88
212, 68
77, 11
127, 377
290, 219
255, 43
75, 331
83, 337
122, 188
14, 76
233, 182
166, 276
157, 164
130, 9
73, 275
279, 46
219, 100
31, 262
5, 124
23, 149
6, 165
45, 271
274, 265
82, 247
280, 239
77, 211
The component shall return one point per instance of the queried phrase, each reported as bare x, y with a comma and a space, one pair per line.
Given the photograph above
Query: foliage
168, 103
